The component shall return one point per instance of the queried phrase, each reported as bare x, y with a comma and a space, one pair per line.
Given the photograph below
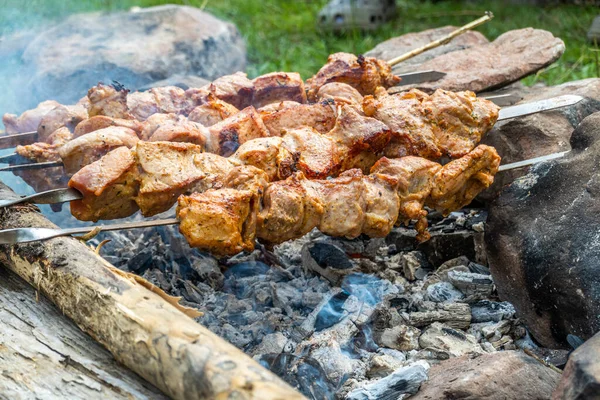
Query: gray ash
338, 318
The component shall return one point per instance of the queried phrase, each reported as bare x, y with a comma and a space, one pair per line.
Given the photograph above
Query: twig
538, 359
488, 16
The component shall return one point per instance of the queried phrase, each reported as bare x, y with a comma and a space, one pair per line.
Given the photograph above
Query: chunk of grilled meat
363, 73
341, 93
320, 116
403, 113
29, 120
217, 220
277, 87
88, 148
101, 121
212, 111
58, 117
457, 183
415, 179
445, 123
107, 100
227, 135
108, 186
460, 120
274, 107
175, 128
235, 89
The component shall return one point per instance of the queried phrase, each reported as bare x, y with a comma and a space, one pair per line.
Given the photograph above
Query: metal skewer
26, 235
7, 141
69, 194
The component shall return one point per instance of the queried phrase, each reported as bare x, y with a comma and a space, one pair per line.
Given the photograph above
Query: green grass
281, 34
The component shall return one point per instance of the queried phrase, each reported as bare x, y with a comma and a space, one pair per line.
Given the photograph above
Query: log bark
138, 326
45, 355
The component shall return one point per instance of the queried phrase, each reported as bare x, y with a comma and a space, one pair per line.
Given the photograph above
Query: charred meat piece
180, 130
414, 182
88, 148
227, 135
60, 116
235, 89
107, 100
314, 154
166, 170
100, 122
268, 154
341, 93
403, 113
289, 209
108, 185
320, 116
141, 105
29, 120
358, 138
169, 169
214, 110
277, 87
218, 220
457, 183
460, 120
362, 73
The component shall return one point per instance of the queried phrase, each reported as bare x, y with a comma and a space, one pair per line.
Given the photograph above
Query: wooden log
45, 355
140, 327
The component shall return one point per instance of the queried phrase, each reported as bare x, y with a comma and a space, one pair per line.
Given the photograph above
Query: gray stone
543, 243
455, 315
512, 56
400, 337
474, 286
542, 133
399, 45
134, 48
581, 377
405, 380
497, 376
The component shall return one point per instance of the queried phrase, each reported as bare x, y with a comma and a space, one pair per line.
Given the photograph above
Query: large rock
543, 242
134, 48
496, 376
542, 133
399, 45
512, 56
581, 377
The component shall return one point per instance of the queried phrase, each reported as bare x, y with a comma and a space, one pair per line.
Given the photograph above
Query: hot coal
337, 318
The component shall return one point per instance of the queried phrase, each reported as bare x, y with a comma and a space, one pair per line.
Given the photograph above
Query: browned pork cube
227, 135
214, 110
341, 93
109, 101
108, 185
235, 89
383, 205
412, 132
457, 183
180, 129
277, 87
61, 116
320, 116
217, 220
362, 73
101, 121
314, 154
460, 120
30, 119
88, 148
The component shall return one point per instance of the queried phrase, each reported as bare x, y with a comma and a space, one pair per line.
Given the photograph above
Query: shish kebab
462, 195
236, 90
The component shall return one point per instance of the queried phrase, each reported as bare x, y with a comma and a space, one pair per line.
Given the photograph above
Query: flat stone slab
134, 48
511, 57
399, 45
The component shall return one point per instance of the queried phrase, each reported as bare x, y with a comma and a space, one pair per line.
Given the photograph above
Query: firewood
140, 327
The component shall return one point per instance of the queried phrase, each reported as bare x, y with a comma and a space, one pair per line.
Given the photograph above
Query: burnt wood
142, 329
